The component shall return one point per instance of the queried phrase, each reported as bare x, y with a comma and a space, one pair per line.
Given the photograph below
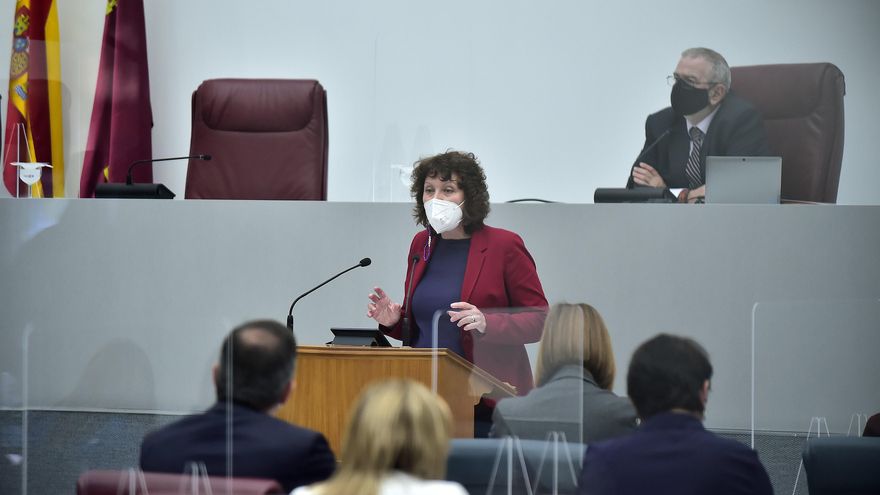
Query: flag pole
20, 134
17, 158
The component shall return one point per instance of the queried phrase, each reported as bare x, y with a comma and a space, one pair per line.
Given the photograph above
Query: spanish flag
122, 117
34, 130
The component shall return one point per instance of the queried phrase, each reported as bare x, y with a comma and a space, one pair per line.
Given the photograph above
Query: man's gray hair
720, 69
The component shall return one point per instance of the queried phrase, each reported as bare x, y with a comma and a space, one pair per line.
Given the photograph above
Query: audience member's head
396, 425
575, 334
256, 365
872, 426
669, 373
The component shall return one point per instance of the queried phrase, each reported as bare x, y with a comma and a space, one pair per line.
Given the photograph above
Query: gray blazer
570, 402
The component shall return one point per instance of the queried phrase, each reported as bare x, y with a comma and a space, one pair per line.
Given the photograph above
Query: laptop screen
743, 179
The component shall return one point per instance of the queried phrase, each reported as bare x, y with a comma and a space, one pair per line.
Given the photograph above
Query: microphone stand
363, 262
406, 335
130, 190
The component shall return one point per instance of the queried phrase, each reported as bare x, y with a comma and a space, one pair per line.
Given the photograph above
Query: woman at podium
481, 279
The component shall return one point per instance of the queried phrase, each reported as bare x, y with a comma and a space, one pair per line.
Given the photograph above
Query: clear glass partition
539, 439
97, 344
79, 400
100, 346
814, 370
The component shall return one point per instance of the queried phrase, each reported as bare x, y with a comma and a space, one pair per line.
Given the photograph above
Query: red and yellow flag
34, 130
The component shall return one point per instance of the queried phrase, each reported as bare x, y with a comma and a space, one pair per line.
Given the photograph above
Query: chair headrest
787, 90
256, 105
104, 482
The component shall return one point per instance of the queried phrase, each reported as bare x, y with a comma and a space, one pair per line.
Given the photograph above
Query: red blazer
500, 276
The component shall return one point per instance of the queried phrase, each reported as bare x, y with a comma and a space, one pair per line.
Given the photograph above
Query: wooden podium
330, 378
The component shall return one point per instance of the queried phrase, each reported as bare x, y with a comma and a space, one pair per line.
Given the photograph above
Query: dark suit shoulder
658, 122
736, 114
728, 447
263, 447
211, 425
737, 130
172, 430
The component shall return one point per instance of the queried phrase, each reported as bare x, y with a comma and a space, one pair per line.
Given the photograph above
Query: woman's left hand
468, 317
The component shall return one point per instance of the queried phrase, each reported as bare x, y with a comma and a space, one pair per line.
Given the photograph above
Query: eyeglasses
674, 78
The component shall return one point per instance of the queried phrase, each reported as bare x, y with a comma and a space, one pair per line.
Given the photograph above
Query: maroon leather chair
267, 139
802, 105
98, 482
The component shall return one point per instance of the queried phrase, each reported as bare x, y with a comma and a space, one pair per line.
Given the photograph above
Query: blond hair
396, 425
575, 334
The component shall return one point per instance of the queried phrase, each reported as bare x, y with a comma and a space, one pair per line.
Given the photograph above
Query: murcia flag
122, 117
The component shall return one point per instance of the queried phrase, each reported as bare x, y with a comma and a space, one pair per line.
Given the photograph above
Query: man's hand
695, 194
646, 175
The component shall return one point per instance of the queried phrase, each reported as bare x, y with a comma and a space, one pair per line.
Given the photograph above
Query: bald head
256, 364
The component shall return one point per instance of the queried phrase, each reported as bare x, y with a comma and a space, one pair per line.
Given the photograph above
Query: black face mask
688, 100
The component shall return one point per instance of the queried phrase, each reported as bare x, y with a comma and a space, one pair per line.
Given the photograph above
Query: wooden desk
329, 380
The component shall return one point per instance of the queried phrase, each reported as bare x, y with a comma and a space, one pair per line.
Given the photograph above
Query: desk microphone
363, 262
128, 180
140, 191
653, 144
405, 328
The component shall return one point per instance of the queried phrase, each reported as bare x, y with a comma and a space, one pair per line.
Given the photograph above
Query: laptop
743, 179
369, 337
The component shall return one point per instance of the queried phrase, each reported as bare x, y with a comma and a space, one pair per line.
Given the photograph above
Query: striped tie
692, 170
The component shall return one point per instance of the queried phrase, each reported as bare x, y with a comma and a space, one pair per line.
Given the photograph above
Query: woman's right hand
382, 309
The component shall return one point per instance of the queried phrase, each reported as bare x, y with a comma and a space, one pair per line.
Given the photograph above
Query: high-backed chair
842, 465
481, 465
802, 105
267, 139
98, 482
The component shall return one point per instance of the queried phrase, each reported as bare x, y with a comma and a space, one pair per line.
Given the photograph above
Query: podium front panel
329, 380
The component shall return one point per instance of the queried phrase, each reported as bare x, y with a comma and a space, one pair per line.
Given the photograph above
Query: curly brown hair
471, 180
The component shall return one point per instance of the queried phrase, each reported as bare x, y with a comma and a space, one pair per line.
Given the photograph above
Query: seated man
671, 452
253, 377
705, 119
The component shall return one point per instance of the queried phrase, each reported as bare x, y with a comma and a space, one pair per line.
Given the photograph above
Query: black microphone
363, 262
128, 180
630, 183
140, 191
653, 144
405, 328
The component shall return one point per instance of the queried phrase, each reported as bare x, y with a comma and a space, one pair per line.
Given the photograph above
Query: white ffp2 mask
443, 215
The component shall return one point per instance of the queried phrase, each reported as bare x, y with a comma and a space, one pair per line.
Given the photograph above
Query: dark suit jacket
501, 280
569, 402
736, 130
262, 446
872, 426
673, 454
